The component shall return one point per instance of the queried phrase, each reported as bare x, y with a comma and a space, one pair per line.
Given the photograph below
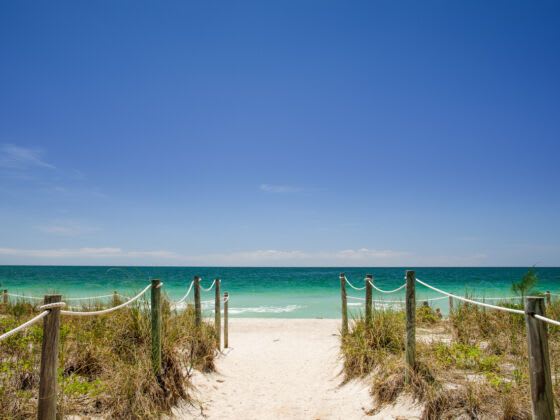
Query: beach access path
284, 369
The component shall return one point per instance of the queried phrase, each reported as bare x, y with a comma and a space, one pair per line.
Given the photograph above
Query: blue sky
280, 133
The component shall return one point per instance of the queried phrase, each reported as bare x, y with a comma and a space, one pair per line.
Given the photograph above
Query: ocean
271, 292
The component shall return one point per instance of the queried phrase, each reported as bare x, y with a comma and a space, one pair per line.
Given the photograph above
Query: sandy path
282, 369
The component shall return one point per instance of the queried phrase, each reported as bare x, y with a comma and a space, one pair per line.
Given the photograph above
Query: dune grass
477, 369
104, 362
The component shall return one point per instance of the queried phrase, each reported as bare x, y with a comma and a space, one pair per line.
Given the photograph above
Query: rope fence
18, 296
51, 312
108, 310
535, 320
24, 325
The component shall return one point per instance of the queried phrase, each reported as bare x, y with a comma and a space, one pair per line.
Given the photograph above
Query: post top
369, 276
52, 298
226, 294
342, 275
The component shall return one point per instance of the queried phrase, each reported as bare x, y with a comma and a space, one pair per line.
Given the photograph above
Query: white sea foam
247, 310
354, 304
265, 309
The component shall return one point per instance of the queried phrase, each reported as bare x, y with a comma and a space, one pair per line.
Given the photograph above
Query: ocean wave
265, 309
245, 310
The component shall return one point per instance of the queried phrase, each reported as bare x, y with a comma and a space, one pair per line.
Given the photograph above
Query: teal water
269, 292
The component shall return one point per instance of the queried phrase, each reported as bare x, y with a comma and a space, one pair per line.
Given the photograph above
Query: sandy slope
283, 369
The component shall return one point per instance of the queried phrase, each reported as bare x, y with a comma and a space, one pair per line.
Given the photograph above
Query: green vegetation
471, 365
105, 363
527, 283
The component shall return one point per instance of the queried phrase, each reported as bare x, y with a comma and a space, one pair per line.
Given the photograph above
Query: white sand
284, 369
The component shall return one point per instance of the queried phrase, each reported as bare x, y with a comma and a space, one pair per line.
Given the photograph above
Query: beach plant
367, 344
526, 284
476, 369
426, 315
105, 362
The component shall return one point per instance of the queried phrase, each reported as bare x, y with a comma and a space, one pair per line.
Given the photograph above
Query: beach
284, 368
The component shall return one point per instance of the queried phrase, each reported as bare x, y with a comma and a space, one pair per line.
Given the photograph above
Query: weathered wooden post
547, 295
450, 305
217, 314
115, 298
410, 345
539, 363
49, 361
344, 304
197, 307
226, 303
5, 297
156, 326
369, 289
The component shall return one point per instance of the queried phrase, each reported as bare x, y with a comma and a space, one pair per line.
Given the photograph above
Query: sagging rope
46, 309
396, 301
24, 297
92, 297
24, 325
474, 302
66, 298
385, 291
184, 297
108, 310
210, 288
352, 286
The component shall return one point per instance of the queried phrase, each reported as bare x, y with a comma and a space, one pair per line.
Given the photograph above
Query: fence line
537, 338
108, 310
210, 288
474, 302
51, 311
386, 291
66, 298
185, 296
352, 286
24, 325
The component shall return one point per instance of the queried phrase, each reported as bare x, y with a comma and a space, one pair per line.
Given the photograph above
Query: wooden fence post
49, 362
344, 304
197, 307
450, 305
217, 314
369, 289
410, 345
5, 297
115, 298
539, 363
226, 303
547, 295
156, 326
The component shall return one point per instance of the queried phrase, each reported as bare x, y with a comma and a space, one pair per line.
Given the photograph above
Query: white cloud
108, 253
16, 157
270, 257
269, 188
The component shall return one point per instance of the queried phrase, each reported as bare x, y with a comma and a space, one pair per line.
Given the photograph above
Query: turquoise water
268, 292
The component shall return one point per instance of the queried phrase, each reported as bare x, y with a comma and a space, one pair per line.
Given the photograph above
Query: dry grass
479, 372
105, 362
